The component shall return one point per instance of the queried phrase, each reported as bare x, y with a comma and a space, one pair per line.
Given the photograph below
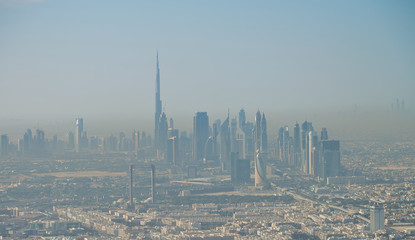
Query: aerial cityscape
230, 158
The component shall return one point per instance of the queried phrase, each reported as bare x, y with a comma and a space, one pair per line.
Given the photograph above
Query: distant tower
157, 113
225, 144
200, 135
297, 145
136, 142
71, 140
131, 187
260, 170
153, 183
242, 119
4, 143
377, 217
162, 136
329, 159
79, 128
264, 136
257, 131
324, 134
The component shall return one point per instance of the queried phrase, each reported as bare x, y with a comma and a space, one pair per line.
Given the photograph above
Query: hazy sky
96, 59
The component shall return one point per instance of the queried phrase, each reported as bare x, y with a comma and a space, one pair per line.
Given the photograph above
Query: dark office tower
377, 217
131, 202
39, 143
249, 140
4, 143
305, 127
79, 128
264, 136
157, 113
200, 135
153, 183
225, 144
27, 143
71, 140
240, 169
280, 144
242, 119
171, 123
257, 131
234, 125
240, 143
162, 137
329, 159
297, 145
324, 134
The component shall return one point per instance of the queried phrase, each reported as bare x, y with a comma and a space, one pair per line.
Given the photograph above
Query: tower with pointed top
264, 136
157, 113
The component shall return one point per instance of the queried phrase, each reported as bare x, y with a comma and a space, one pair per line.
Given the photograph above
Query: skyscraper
157, 113
225, 144
200, 135
324, 134
260, 170
329, 159
264, 136
297, 145
377, 217
163, 129
257, 131
79, 128
4, 143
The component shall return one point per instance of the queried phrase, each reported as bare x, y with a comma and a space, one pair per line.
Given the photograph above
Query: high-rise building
71, 140
377, 217
225, 144
260, 170
329, 159
240, 169
136, 142
163, 129
4, 143
27, 143
158, 109
200, 135
153, 183
131, 201
173, 150
257, 131
242, 119
79, 129
306, 127
324, 134
264, 136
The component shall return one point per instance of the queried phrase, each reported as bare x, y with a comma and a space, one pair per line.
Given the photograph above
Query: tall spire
157, 105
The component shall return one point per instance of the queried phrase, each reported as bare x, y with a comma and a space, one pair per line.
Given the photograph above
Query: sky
291, 59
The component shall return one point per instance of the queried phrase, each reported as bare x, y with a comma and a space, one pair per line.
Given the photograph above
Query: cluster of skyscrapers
314, 155
235, 144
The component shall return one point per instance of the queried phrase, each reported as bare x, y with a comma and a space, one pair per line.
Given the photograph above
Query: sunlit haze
294, 60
